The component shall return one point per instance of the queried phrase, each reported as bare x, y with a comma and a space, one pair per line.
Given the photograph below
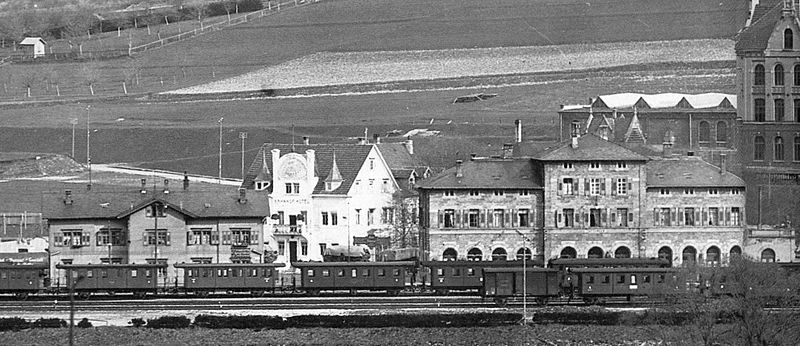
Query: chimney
362, 141
376, 138
409, 144
459, 169
668, 141
242, 195
508, 149
68, 197
690, 153
144, 186
518, 124
722, 163
575, 133
185, 181
166, 186
88, 187
306, 140
472, 156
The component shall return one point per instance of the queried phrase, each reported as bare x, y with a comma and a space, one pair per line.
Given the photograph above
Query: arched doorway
622, 252
568, 252
595, 252
474, 254
499, 254
768, 255
449, 254
665, 252
689, 255
524, 253
736, 252
713, 256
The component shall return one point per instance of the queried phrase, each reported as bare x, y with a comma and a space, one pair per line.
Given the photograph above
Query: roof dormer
264, 177
334, 178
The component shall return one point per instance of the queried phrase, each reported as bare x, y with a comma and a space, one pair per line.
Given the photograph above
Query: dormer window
594, 165
622, 165
449, 193
262, 185
788, 39
568, 165
293, 188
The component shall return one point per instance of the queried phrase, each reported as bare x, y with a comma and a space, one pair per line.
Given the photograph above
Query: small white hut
33, 46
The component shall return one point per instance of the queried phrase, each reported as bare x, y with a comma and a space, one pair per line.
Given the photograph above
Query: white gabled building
321, 195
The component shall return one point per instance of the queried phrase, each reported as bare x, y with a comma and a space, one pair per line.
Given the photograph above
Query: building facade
768, 83
483, 209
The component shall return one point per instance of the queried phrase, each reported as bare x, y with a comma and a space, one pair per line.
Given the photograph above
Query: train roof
463, 263
355, 264
228, 265
100, 265
624, 270
607, 261
517, 270
37, 265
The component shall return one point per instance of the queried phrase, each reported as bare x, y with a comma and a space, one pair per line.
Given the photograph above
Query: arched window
713, 256
622, 252
779, 74
768, 255
797, 148
568, 252
759, 75
778, 148
596, 252
760, 110
499, 254
796, 74
758, 148
524, 253
788, 40
705, 132
722, 132
449, 254
797, 110
474, 254
736, 252
780, 110
666, 253
689, 255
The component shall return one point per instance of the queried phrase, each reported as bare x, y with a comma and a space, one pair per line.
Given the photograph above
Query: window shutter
189, 238
560, 187
603, 186
603, 217
585, 187
705, 216
254, 237
630, 189
458, 218
489, 218
58, 239
168, 240
215, 237
697, 220
575, 187
630, 217
557, 220
586, 219
514, 218
433, 220
440, 224
727, 216
506, 218
85, 239
656, 220
613, 186
483, 218
674, 213
721, 217
614, 219
681, 218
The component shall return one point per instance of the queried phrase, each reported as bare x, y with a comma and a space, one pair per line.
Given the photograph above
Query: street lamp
524, 277
220, 150
243, 135
73, 121
88, 157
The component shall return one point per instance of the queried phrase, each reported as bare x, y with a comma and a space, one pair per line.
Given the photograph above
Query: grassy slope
360, 25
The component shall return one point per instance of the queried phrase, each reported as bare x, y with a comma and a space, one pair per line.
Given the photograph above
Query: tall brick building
768, 82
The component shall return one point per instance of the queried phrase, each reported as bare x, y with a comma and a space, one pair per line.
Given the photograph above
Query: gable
775, 41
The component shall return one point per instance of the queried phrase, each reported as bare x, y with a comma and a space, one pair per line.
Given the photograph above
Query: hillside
380, 25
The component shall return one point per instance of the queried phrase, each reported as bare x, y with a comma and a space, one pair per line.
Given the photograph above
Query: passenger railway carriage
391, 277
448, 276
501, 283
256, 278
22, 280
139, 279
597, 283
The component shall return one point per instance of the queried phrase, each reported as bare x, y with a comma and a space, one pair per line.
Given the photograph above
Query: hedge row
16, 323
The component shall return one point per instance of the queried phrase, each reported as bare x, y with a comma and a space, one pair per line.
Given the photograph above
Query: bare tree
29, 80
90, 74
77, 24
404, 227
130, 73
52, 76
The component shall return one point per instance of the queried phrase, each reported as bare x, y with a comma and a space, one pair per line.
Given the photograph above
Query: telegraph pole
88, 156
243, 136
220, 151
73, 121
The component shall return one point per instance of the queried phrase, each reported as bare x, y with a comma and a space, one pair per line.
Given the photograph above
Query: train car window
3, 275
354, 272
621, 279
647, 279
268, 273
340, 273
103, 273
74, 273
440, 271
190, 273
206, 273
470, 271
134, 273
590, 280
310, 273
456, 271
364, 272
661, 278
236, 273
633, 279
147, 273
606, 279
326, 273
381, 272
396, 272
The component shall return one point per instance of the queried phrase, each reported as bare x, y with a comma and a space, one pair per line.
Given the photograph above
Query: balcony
770, 233
758, 89
287, 229
796, 90
778, 89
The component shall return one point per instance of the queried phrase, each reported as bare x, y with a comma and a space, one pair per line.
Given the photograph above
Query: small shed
33, 46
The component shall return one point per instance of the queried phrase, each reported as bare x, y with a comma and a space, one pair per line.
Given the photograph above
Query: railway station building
149, 225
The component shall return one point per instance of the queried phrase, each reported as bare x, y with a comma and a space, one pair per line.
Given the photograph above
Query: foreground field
512, 335
369, 67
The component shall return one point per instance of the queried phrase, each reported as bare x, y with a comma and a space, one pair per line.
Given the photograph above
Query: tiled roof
487, 174
532, 149
658, 101
119, 204
397, 157
591, 148
688, 171
349, 159
755, 36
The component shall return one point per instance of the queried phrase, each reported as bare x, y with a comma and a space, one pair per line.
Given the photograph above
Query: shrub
13, 323
240, 322
49, 323
250, 5
137, 322
169, 322
84, 323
